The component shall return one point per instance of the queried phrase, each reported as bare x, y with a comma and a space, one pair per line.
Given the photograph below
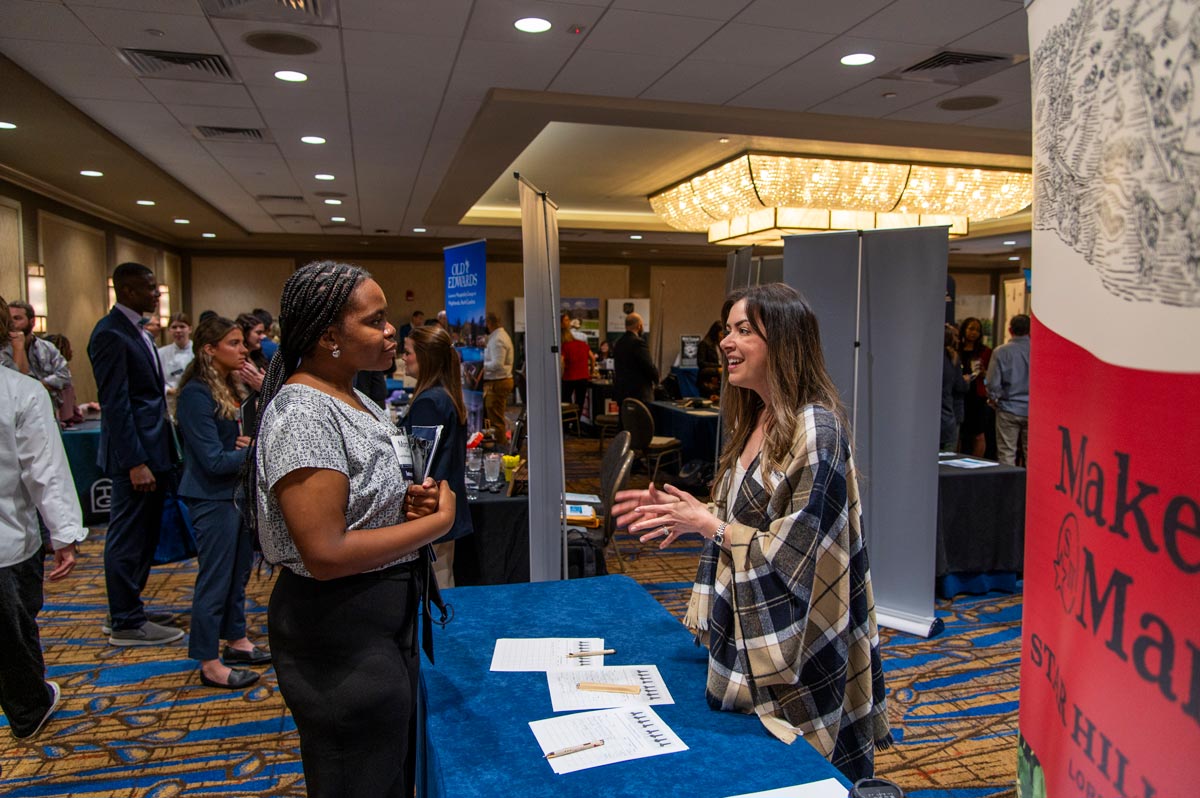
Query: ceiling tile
194, 92
707, 9
220, 149
1011, 86
867, 98
1017, 116
378, 59
1009, 35
493, 21
323, 77
419, 17
1013, 82
215, 116
485, 65
611, 74
160, 6
233, 31
63, 65
639, 32
760, 45
43, 22
109, 89
934, 22
822, 16
697, 81
929, 112
120, 28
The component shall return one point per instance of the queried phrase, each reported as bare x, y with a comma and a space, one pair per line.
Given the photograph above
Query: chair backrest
612, 458
619, 482
671, 385
518, 436
636, 418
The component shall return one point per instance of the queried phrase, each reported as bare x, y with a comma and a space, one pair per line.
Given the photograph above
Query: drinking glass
474, 462
491, 467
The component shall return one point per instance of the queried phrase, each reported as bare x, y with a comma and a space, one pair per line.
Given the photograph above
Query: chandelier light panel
756, 198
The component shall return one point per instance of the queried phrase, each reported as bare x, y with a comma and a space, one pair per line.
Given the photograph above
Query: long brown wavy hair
438, 364
224, 391
796, 376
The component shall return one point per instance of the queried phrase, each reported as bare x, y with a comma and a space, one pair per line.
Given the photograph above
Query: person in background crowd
176, 355
430, 358
1008, 393
444, 323
497, 376
708, 356
954, 388
577, 361
70, 411
255, 368
974, 356
266, 343
25, 352
135, 452
334, 510
214, 453
153, 327
634, 373
783, 595
205, 314
708, 383
34, 479
415, 320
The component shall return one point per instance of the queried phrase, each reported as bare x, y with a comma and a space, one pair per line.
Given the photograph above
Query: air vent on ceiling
230, 133
948, 58
277, 43
178, 66
294, 217
956, 68
329, 194
279, 198
313, 12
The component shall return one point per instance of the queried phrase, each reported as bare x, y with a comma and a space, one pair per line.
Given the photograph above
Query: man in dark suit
634, 372
135, 452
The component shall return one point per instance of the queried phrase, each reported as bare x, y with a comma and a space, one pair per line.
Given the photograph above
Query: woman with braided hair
333, 510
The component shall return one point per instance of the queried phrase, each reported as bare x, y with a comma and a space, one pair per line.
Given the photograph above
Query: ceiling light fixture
333, 202
1014, 257
291, 76
91, 173
7, 126
418, 229
758, 198
1010, 243
312, 139
324, 177
147, 203
857, 59
337, 218
183, 221
636, 238
532, 25
723, 140
208, 235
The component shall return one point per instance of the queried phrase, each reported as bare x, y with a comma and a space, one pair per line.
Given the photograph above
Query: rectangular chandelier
758, 198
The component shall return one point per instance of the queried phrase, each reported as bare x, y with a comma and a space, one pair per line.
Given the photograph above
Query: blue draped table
981, 529
94, 489
696, 428
687, 376
473, 725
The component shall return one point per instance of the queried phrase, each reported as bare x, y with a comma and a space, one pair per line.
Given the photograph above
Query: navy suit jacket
634, 372
210, 460
133, 419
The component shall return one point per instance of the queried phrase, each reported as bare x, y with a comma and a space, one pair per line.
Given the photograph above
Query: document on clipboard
416, 450
247, 417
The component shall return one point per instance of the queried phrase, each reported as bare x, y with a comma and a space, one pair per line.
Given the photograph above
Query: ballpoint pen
574, 749
592, 653
601, 687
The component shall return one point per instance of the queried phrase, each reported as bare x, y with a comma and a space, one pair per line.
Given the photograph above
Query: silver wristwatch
719, 536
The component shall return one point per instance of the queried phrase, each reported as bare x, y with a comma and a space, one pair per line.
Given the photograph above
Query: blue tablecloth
94, 489
696, 428
474, 737
687, 380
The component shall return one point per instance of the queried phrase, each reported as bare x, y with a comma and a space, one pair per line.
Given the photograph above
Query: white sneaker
55, 697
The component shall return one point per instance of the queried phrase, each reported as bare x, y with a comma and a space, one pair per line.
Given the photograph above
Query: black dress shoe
238, 678
255, 656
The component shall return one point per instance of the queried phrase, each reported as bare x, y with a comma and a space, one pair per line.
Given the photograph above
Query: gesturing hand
668, 514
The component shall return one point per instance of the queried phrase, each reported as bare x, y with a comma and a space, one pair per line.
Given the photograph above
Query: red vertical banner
1110, 665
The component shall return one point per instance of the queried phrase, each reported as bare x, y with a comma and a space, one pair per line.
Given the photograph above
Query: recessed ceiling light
1014, 257
324, 177
333, 202
7, 126
636, 238
147, 203
532, 25
418, 229
312, 139
209, 235
291, 76
888, 95
183, 221
337, 218
91, 173
722, 140
857, 59
1010, 243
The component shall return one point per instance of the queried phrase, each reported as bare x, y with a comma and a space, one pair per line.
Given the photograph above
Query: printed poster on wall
618, 309
585, 317
466, 291
1110, 665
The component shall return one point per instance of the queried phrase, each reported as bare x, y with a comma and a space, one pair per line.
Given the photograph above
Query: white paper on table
545, 653
826, 788
566, 696
628, 733
967, 462
581, 498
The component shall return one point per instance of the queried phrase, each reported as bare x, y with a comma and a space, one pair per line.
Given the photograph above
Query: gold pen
600, 687
592, 653
574, 749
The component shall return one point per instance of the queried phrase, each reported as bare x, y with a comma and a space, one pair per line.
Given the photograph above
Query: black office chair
618, 479
518, 435
613, 456
636, 418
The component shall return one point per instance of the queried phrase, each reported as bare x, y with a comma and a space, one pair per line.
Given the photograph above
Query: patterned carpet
138, 723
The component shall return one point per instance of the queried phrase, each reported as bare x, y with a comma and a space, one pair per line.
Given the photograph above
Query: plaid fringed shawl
788, 614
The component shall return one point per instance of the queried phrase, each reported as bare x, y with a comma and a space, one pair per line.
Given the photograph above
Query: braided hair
314, 299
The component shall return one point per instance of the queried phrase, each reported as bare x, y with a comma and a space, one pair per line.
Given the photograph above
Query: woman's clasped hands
667, 513
424, 499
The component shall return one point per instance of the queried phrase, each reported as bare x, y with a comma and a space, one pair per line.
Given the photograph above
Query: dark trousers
225, 555
133, 526
24, 696
346, 658
575, 392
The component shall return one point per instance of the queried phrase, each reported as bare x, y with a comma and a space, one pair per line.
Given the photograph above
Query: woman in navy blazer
214, 450
429, 357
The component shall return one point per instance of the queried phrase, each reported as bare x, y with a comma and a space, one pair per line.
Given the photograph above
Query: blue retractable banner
466, 290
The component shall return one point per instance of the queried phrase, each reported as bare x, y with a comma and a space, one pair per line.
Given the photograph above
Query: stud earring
336, 352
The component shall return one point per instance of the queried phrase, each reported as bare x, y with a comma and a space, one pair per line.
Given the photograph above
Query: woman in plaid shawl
783, 593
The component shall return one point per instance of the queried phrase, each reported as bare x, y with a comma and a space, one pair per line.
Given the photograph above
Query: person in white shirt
497, 376
34, 479
176, 355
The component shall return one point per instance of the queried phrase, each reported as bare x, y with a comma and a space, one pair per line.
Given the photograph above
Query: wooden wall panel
12, 264
76, 289
237, 285
687, 299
